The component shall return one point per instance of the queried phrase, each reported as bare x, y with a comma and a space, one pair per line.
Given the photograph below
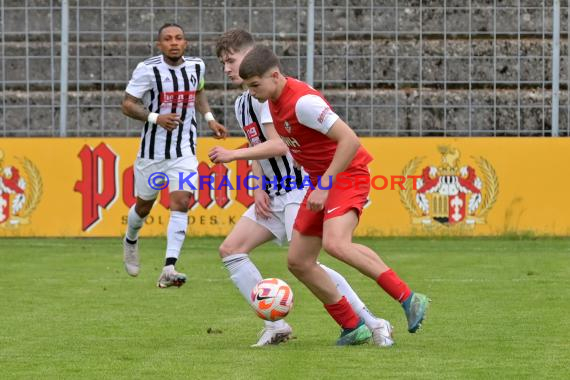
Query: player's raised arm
273, 147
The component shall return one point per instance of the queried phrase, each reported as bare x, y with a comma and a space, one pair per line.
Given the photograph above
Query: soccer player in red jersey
337, 164
273, 213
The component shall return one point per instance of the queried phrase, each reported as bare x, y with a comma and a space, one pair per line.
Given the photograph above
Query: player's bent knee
335, 248
143, 210
225, 250
296, 265
179, 206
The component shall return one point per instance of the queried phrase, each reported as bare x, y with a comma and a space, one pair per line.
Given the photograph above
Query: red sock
343, 314
393, 285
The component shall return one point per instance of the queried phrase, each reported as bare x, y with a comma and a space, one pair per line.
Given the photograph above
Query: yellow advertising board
463, 186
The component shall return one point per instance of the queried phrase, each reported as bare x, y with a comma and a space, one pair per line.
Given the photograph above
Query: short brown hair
233, 40
257, 62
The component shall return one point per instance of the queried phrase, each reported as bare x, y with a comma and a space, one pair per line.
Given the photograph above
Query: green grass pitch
500, 309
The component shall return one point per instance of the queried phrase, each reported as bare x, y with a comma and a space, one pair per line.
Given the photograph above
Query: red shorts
350, 192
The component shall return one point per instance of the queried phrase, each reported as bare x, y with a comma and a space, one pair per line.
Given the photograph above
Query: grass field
68, 310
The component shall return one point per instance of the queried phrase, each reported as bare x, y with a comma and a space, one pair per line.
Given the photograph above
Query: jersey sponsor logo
183, 99
291, 142
324, 114
20, 192
252, 133
450, 195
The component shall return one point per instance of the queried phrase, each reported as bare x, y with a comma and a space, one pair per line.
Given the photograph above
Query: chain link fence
389, 67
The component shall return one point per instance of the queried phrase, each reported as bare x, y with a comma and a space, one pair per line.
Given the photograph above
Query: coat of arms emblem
20, 192
450, 194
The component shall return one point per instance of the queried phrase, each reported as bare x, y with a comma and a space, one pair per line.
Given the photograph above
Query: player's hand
317, 199
220, 132
168, 121
221, 155
262, 203
296, 164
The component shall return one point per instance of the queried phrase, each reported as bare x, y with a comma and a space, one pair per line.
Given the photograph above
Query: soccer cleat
415, 308
131, 257
358, 335
271, 335
170, 277
382, 333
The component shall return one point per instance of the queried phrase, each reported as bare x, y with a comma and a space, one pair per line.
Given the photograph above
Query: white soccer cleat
170, 277
382, 333
131, 257
274, 335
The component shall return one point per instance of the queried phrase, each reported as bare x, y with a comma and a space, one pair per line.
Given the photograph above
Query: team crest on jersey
287, 126
193, 80
450, 195
20, 192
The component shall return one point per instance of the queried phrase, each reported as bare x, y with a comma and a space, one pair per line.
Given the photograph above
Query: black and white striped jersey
251, 116
168, 89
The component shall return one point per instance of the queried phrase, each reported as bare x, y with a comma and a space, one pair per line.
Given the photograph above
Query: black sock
170, 261
131, 242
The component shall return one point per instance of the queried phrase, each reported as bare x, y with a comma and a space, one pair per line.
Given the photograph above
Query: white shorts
150, 176
284, 211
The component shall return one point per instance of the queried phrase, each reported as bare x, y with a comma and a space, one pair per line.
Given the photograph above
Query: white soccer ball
272, 299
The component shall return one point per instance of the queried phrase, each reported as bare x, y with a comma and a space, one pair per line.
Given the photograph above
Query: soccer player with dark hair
273, 214
328, 149
164, 93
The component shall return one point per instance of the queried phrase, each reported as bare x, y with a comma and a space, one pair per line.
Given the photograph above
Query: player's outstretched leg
234, 252
302, 262
414, 304
381, 329
135, 220
337, 241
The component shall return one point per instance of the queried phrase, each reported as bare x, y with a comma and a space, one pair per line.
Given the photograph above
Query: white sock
176, 233
243, 273
134, 224
346, 290
245, 276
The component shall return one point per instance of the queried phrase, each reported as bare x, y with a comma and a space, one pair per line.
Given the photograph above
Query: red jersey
302, 117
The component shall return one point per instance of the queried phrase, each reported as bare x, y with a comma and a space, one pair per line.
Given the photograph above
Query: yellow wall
524, 187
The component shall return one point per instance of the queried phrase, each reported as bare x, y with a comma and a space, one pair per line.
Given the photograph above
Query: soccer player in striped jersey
164, 93
331, 153
272, 215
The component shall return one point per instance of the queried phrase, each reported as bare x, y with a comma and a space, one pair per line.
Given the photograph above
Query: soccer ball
272, 299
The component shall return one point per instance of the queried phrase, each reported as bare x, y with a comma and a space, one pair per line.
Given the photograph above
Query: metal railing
389, 67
